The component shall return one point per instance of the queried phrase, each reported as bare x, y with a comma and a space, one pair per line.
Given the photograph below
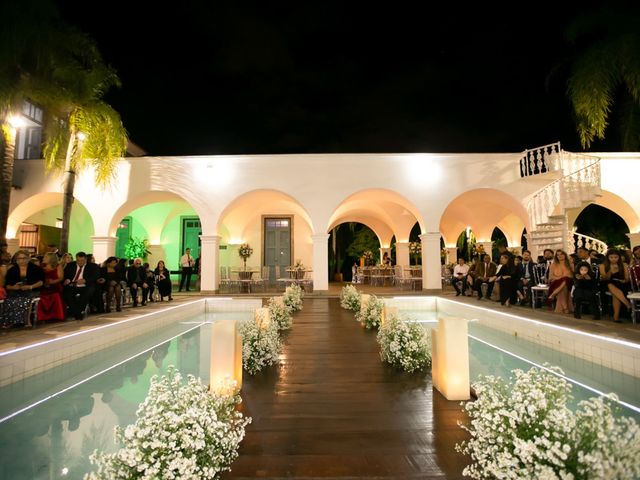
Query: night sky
235, 77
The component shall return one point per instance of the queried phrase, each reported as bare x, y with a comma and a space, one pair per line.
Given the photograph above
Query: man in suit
136, 280
526, 276
485, 272
79, 284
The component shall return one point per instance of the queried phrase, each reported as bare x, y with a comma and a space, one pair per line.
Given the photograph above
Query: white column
402, 253
488, 248
634, 238
431, 271
103, 248
13, 245
320, 261
383, 251
209, 268
452, 254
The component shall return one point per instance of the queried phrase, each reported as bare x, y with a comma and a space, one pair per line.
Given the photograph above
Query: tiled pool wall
21, 363
619, 355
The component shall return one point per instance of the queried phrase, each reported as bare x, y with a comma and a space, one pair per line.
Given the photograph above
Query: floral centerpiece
280, 313
526, 430
350, 298
415, 250
367, 255
245, 251
260, 346
299, 269
371, 315
292, 298
182, 431
405, 345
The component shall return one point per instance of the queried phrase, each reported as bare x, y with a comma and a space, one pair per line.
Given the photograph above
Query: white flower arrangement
293, 296
299, 265
182, 431
245, 251
280, 313
415, 248
371, 315
404, 344
350, 298
527, 431
260, 346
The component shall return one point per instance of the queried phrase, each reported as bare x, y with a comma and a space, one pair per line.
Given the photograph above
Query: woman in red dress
50, 306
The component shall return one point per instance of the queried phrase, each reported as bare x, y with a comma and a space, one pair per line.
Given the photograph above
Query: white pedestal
226, 356
450, 358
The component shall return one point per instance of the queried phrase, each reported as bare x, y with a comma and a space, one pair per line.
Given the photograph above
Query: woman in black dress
112, 276
163, 281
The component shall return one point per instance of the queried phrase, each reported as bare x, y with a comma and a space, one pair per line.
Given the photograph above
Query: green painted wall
81, 228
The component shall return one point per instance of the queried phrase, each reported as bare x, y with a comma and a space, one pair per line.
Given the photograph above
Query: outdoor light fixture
81, 136
58, 223
450, 358
226, 357
17, 121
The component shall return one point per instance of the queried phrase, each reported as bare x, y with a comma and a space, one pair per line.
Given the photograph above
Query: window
277, 223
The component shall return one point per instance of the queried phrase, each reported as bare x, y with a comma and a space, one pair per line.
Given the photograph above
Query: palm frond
591, 87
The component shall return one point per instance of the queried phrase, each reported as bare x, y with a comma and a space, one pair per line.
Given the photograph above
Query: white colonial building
284, 206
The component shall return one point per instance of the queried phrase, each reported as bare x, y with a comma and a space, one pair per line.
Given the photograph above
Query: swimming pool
51, 422
498, 351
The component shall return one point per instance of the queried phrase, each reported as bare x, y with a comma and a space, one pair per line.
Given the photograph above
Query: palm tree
607, 70
62, 70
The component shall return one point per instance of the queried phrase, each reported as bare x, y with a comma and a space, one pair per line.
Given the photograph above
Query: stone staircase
576, 184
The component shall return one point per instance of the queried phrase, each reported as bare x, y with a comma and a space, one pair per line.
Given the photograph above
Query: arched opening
481, 211
602, 224
37, 222
162, 221
275, 225
351, 244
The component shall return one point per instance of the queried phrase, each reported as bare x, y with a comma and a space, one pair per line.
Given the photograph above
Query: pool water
493, 352
52, 422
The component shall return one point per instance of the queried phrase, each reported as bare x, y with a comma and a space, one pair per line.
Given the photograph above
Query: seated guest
548, 255
634, 269
583, 255
526, 277
460, 272
163, 280
507, 279
471, 277
149, 279
136, 282
110, 278
79, 284
22, 282
50, 306
386, 259
485, 273
614, 278
585, 290
560, 275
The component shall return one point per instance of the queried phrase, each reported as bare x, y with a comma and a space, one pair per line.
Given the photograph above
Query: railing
590, 243
569, 191
539, 160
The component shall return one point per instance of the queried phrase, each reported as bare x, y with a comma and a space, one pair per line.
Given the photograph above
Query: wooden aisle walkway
333, 410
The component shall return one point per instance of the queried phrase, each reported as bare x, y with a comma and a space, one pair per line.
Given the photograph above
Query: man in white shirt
186, 262
460, 272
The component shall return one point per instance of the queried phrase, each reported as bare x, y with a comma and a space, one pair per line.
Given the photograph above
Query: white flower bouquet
280, 314
293, 296
405, 345
415, 248
260, 346
182, 431
245, 251
371, 315
526, 430
350, 298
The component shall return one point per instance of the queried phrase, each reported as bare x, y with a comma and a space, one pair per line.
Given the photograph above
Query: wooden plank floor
333, 410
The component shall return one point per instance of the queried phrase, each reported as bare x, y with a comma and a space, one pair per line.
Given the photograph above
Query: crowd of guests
585, 278
67, 288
